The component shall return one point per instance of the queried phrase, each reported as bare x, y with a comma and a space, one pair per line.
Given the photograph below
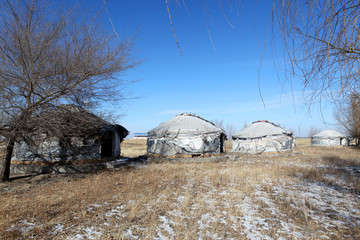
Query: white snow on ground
58, 228
118, 212
86, 233
205, 221
326, 206
283, 227
251, 221
129, 234
166, 226
24, 226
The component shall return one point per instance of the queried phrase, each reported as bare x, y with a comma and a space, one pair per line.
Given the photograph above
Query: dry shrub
2, 148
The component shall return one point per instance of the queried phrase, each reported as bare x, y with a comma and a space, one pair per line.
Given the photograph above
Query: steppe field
311, 193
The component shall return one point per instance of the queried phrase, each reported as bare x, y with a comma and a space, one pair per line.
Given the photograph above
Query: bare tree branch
322, 45
49, 57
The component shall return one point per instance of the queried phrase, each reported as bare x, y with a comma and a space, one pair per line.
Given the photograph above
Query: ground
311, 193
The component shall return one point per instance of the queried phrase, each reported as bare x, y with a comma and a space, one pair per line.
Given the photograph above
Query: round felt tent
262, 136
329, 138
185, 134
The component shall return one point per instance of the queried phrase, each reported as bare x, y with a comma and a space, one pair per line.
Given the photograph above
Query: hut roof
72, 120
185, 124
260, 129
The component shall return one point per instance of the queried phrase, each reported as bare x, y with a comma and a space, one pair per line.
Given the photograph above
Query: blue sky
215, 77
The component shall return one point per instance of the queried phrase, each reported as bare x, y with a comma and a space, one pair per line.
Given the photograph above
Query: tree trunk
5, 162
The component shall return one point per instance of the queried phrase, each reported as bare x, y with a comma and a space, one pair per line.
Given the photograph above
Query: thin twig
172, 27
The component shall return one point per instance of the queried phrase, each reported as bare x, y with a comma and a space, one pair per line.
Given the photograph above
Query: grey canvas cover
262, 136
185, 124
185, 133
329, 138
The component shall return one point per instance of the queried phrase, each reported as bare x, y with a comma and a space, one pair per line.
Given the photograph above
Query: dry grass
304, 146
228, 145
133, 148
311, 194
2, 148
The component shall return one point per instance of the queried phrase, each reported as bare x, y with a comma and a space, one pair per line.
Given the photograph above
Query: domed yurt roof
185, 124
260, 129
329, 134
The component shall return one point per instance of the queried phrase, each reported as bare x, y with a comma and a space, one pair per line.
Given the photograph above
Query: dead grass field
312, 193
2, 149
133, 148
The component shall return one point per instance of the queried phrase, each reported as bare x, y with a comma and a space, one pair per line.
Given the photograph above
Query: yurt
262, 136
329, 138
186, 134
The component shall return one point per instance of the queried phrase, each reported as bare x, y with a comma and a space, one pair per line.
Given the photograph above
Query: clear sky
215, 77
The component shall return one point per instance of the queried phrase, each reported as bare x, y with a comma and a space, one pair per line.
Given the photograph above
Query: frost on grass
225, 203
128, 234
165, 230
327, 207
56, 229
24, 226
87, 233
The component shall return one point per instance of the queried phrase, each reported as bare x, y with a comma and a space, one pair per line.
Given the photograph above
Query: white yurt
262, 136
329, 138
186, 134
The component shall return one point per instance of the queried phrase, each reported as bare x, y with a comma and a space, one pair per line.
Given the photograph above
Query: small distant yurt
329, 138
262, 137
185, 134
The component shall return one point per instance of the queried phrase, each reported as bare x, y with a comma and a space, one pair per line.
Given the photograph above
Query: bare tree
230, 130
348, 115
322, 44
312, 131
219, 123
50, 57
